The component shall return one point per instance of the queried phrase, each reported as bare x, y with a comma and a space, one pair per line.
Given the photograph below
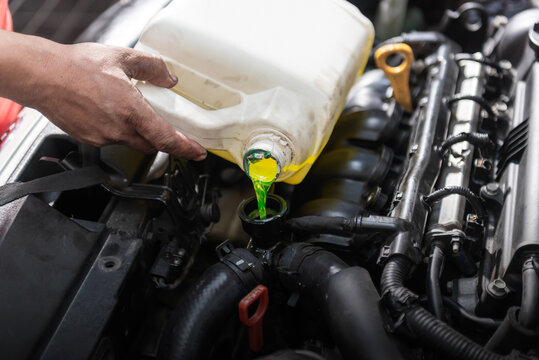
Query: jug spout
268, 146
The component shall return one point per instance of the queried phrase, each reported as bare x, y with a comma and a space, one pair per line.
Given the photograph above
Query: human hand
86, 90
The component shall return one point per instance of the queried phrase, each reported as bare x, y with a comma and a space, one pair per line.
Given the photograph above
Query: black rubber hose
346, 226
292, 355
354, 317
511, 335
481, 321
346, 295
434, 293
528, 316
321, 225
306, 269
472, 199
201, 313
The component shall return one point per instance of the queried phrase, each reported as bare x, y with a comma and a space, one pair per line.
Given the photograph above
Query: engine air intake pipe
346, 295
206, 306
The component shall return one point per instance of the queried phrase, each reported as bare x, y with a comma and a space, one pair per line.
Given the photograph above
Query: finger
161, 135
148, 67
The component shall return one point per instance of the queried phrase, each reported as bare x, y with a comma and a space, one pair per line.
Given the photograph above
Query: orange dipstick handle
398, 75
254, 323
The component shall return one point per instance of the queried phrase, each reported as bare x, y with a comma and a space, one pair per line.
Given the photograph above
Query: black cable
466, 57
473, 199
478, 139
479, 100
434, 293
445, 340
429, 330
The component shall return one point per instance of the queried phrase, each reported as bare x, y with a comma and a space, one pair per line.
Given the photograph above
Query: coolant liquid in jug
261, 82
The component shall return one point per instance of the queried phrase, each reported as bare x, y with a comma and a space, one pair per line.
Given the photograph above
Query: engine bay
415, 234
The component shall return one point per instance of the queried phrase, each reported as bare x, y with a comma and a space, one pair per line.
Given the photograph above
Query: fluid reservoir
258, 76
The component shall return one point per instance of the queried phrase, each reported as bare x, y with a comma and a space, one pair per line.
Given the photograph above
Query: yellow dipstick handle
398, 75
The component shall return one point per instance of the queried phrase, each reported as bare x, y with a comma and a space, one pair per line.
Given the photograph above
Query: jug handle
201, 90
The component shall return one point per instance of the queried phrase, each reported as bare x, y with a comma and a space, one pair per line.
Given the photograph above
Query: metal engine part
414, 236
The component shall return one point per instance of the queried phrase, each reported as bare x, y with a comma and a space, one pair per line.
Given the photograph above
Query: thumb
147, 67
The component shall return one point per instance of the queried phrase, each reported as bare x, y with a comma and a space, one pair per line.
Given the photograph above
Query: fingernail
173, 77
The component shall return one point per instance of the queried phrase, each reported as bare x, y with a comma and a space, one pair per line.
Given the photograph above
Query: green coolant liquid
263, 170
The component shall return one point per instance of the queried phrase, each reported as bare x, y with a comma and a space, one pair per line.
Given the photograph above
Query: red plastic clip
256, 338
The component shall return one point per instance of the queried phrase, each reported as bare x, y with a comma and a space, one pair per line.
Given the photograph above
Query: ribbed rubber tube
429, 330
392, 283
201, 313
444, 339
354, 317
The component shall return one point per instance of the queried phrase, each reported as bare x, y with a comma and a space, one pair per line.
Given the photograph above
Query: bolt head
505, 64
500, 107
492, 188
497, 288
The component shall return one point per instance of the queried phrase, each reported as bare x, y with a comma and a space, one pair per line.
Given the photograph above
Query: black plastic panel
42, 253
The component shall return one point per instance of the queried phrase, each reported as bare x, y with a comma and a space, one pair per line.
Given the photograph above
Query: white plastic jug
269, 75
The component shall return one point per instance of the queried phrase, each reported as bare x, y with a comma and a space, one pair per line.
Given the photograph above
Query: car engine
414, 236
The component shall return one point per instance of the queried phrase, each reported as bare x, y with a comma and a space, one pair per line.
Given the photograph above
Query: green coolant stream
263, 170
261, 191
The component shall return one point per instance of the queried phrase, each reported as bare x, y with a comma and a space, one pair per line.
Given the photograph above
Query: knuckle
131, 63
151, 59
129, 116
139, 60
164, 142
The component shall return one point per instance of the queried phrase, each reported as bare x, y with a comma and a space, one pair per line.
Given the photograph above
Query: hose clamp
244, 264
